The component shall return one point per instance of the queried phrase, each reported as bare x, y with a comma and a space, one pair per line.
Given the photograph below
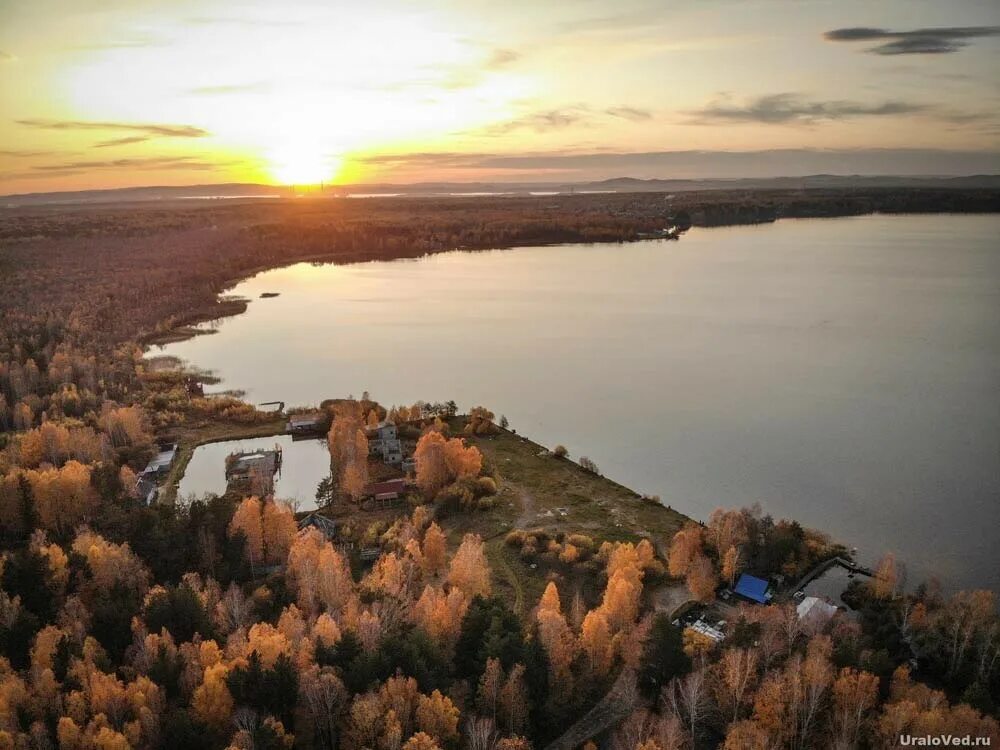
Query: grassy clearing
541, 490
538, 490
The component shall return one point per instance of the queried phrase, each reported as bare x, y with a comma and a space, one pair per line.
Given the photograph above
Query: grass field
540, 490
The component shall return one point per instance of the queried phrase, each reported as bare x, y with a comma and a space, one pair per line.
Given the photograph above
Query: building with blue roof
753, 588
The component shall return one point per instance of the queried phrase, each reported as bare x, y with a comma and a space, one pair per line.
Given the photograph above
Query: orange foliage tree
440, 461
469, 571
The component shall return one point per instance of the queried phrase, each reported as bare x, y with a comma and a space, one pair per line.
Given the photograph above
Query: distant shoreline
187, 328
237, 192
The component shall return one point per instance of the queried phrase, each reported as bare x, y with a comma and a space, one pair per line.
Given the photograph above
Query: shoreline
187, 328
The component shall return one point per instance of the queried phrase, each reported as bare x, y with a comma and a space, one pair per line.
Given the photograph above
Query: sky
116, 93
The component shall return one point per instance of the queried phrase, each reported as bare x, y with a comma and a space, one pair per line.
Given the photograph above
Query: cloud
147, 129
937, 41
122, 141
230, 88
136, 42
789, 108
570, 165
149, 162
629, 113
6, 57
541, 122
501, 58
23, 153
544, 121
247, 20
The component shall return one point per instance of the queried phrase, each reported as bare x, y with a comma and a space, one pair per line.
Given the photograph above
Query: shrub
581, 541
516, 538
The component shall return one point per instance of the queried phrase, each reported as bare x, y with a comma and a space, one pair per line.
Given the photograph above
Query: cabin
146, 487
326, 526
387, 491
384, 442
253, 471
159, 465
305, 424
753, 588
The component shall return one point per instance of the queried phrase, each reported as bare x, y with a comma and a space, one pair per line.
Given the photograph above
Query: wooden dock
824, 566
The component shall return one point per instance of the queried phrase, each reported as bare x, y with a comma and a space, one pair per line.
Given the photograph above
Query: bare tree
690, 700
481, 733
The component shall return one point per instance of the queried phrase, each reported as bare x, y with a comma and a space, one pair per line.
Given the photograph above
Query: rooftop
752, 588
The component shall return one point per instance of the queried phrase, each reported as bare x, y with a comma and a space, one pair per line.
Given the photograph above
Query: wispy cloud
696, 164
502, 58
547, 120
24, 153
790, 108
247, 20
541, 122
629, 113
127, 40
6, 57
147, 129
145, 163
129, 139
230, 88
936, 41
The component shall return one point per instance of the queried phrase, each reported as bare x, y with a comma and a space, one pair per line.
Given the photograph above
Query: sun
303, 164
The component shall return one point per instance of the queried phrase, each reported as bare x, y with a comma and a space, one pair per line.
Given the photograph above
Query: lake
842, 372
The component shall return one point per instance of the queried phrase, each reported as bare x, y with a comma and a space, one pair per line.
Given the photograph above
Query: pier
823, 567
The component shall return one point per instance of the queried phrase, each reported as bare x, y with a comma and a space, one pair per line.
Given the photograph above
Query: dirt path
526, 501
669, 597
611, 709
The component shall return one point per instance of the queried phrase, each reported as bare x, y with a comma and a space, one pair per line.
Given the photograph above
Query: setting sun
303, 164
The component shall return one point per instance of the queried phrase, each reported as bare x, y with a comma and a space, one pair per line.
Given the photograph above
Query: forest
220, 623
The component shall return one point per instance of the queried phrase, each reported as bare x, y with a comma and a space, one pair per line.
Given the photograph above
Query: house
160, 464
814, 609
391, 489
383, 441
253, 471
146, 489
325, 525
305, 424
753, 588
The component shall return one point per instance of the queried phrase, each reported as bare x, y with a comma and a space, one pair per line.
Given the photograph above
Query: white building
815, 609
383, 441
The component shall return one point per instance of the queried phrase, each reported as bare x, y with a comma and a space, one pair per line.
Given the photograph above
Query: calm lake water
843, 372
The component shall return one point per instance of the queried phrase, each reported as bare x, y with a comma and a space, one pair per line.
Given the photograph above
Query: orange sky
113, 93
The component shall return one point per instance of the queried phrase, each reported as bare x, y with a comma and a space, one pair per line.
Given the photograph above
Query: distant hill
249, 191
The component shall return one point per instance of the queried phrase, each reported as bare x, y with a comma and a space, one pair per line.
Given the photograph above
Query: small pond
305, 463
